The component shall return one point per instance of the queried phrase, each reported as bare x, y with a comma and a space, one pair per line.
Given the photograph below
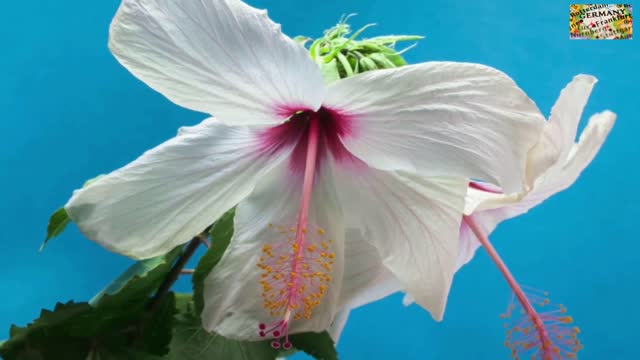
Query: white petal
559, 133
171, 192
440, 119
335, 330
414, 224
567, 111
582, 153
233, 302
221, 57
366, 279
189, 130
564, 174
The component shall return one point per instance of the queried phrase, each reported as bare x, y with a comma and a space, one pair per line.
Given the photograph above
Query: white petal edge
440, 119
487, 222
414, 224
366, 279
567, 111
338, 324
581, 154
468, 243
559, 133
220, 57
233, 304
171, 192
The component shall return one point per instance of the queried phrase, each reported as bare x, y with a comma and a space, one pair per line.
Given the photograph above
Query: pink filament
281, 328
303, 215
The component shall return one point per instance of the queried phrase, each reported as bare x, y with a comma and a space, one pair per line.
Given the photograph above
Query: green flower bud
339, 55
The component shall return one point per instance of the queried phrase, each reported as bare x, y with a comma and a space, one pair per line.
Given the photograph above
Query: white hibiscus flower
386, 153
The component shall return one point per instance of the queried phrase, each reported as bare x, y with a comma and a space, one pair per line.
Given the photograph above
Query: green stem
174, 274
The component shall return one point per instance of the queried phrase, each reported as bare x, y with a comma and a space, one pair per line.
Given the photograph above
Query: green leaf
220, 234
157, 328
318, 345
79, 331
139, 280
191, 342
60, 219
106, 327
68, 332
57, 223
117, 324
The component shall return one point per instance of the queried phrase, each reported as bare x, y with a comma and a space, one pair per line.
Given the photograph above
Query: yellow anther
566, 319
295, 280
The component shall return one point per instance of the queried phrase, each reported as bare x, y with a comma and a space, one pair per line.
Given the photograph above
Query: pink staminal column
540, 330
295, 274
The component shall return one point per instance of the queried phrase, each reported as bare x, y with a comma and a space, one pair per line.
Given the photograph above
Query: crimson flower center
333, 126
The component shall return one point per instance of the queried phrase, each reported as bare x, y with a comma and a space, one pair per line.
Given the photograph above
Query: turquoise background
70, 112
